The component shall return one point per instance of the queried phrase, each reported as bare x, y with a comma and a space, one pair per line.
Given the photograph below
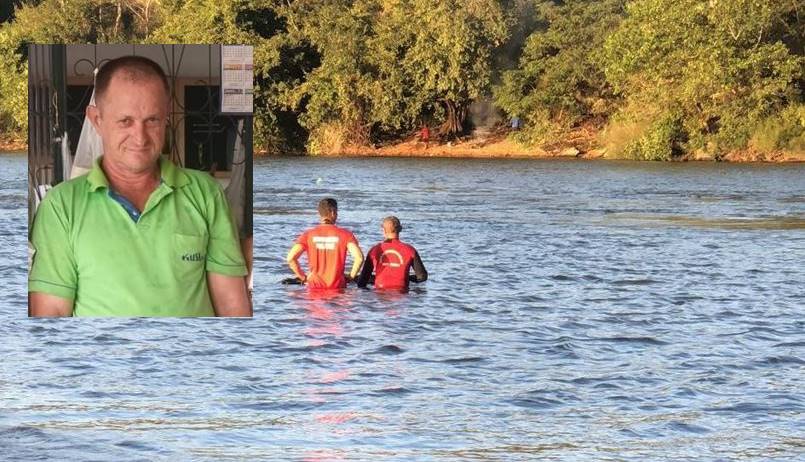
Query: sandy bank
579, 145
8, 144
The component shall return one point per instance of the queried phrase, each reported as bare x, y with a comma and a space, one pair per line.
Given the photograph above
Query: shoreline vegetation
498, 144
495, 145
662, 80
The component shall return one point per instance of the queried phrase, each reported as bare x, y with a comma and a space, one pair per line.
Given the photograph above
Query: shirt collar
171, 175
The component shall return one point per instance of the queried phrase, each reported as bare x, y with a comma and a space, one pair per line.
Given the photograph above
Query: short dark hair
395, 222
136, 67
327, 207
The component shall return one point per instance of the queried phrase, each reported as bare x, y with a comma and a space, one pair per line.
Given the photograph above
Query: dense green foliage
56, 21
706, 75
560, 80
255, 22
389, 65
13, 90
658, 78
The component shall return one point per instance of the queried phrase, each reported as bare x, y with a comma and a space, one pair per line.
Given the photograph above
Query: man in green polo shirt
136, 236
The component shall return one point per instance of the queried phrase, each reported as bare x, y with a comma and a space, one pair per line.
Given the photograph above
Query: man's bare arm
293, 261
229, 295
49, 306
357, 259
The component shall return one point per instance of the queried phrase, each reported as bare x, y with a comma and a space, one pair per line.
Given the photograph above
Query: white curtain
89, 144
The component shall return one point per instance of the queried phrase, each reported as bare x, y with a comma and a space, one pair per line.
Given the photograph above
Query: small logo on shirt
388, 255
325, 242
193, 257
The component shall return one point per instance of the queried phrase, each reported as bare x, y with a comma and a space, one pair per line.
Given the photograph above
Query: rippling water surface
575, 311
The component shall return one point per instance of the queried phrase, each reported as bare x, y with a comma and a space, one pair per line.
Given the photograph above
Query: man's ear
94, 116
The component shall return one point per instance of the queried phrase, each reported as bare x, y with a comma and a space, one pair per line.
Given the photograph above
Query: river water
575, 311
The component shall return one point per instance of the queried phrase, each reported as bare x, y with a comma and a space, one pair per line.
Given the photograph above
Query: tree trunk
117, 19
147, 18
453, 125
101, 29
359, 134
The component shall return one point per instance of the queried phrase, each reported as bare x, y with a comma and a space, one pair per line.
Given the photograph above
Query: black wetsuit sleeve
366, 272
420, 273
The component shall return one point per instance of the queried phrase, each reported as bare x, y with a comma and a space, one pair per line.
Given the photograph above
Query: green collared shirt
88, 249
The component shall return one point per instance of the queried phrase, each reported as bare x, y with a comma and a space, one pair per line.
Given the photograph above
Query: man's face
131, 119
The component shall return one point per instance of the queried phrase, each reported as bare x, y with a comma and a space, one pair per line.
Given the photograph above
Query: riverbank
8, 144
579, 144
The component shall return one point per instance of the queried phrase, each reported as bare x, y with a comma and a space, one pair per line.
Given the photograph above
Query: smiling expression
131, 120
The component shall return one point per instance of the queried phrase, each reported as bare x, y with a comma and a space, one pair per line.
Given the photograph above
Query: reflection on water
574, 311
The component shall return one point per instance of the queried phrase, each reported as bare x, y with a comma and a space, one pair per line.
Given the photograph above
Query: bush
539, 128
660, 141
784, 131
653, 138
336, 138
620, 134
14, 88
726, 69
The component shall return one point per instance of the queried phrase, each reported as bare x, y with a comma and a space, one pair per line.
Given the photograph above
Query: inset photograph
140, 180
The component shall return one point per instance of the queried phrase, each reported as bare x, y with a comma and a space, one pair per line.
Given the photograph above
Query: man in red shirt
424, 135
391, 260
326, 246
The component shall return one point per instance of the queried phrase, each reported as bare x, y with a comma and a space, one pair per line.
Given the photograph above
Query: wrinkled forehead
123, 80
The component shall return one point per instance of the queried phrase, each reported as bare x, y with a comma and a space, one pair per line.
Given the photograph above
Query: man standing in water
137, 235
326, 246
391, 260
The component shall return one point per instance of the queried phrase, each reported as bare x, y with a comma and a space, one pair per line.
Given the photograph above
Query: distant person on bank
392, 260
424, 135
326, 246
137, 235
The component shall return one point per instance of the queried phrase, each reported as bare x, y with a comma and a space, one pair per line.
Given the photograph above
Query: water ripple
574, 311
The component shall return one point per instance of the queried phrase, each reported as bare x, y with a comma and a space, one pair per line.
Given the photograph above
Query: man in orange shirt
326, 246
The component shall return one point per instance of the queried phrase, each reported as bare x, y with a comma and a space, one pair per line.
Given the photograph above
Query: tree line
654, 79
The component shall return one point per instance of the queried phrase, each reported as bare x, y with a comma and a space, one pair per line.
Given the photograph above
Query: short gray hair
395, 222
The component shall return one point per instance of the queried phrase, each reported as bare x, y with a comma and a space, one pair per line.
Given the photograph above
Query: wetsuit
326, 247
391, 261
